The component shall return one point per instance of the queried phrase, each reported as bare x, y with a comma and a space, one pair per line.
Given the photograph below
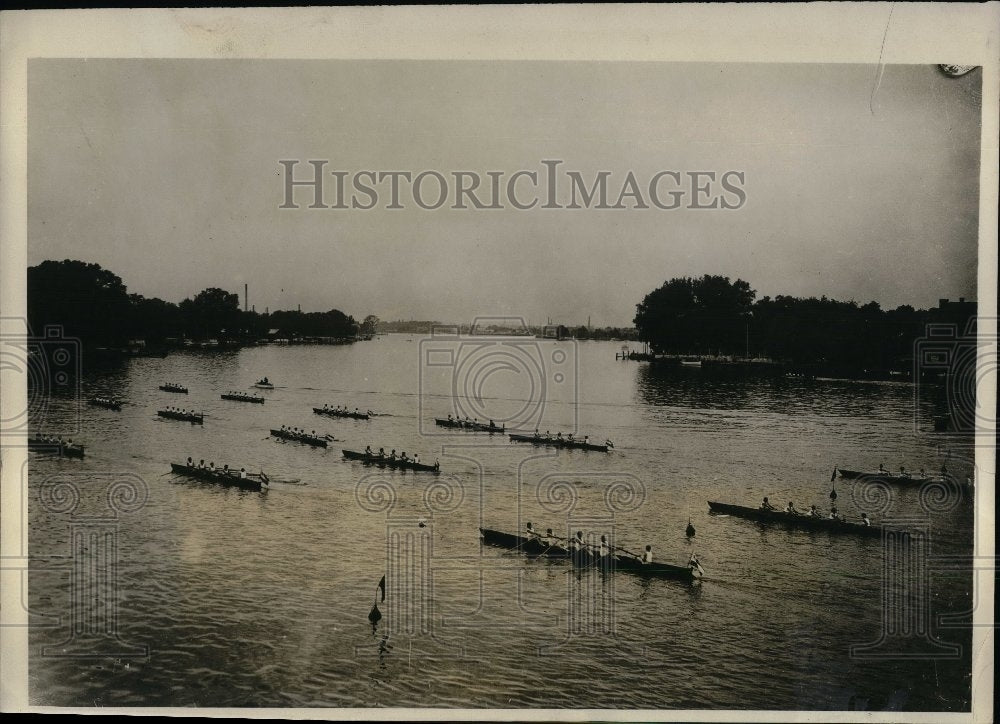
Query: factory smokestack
246, 289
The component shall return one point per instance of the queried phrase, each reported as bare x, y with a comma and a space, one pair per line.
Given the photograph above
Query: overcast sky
167, 173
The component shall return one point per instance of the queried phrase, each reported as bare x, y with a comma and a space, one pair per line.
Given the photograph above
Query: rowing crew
344, 409
569, 438
180, 411
790, 509
392, 456
242, 395
104, 400
602, 551
54, 440
299, 433
474, 422
224, 470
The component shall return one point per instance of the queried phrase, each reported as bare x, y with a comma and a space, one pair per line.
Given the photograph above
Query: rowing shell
252, 481
385, 462
307, 439
583, 557
468, 425
558, 442
340, 413
193, 419
244, 398
884, 476
793, 520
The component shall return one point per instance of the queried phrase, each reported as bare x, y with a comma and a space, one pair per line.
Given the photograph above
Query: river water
224, 598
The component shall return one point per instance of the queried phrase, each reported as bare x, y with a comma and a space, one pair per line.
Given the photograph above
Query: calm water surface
261, 599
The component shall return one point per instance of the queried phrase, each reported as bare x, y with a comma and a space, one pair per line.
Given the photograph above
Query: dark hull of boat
180, 391
795, 521
307, 439
337, 413
387, 463
471, 426
233, 480
551, 442
531, 546
69, 451
193, 419
883, 477
264, 387
240, 398
106, 405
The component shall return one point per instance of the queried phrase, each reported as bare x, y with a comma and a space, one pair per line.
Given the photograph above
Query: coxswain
647, 557
865, 520
790, 508
766, 505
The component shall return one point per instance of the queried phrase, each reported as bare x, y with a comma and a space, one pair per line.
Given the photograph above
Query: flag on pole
381, 585
834, 476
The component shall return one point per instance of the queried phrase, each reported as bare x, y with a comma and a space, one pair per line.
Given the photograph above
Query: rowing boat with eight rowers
293, 433
224, 476
342, 412
184, 415
391, 460
468, 424
104, 402
791, 517
580, 553
886, 476
174, 387
242, 397
559, 441
56, 445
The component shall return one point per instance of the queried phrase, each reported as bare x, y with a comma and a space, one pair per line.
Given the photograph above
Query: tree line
712, 315
93, 304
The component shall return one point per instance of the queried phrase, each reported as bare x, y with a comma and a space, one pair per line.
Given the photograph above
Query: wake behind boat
224, 476
473, 425
391, 461
555, 548
560, 441
795, 520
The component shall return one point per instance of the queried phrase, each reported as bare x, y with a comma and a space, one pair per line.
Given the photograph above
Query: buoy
374, 615
690, 529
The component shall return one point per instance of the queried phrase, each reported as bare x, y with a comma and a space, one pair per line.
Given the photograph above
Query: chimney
246, 288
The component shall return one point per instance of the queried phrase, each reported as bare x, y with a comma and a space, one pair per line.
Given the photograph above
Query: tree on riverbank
93, 305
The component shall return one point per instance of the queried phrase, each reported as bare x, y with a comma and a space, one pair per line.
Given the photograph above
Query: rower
211, 466
790, 508
570, 437
532, 533
449, 417
605, 547
881, 467
558, 436
647, 557
576, 543
201, 464
586, 439
381, 452
492, 426
437, 464
326, 406
813, 513
356, 411
190, 463
865, 520
766, 505
833, 514
536, 432
225, 469
392, 455
402, 456
416, 458
243, 473
368, 449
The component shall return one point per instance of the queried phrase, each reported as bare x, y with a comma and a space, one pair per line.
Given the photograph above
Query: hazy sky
167, 172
